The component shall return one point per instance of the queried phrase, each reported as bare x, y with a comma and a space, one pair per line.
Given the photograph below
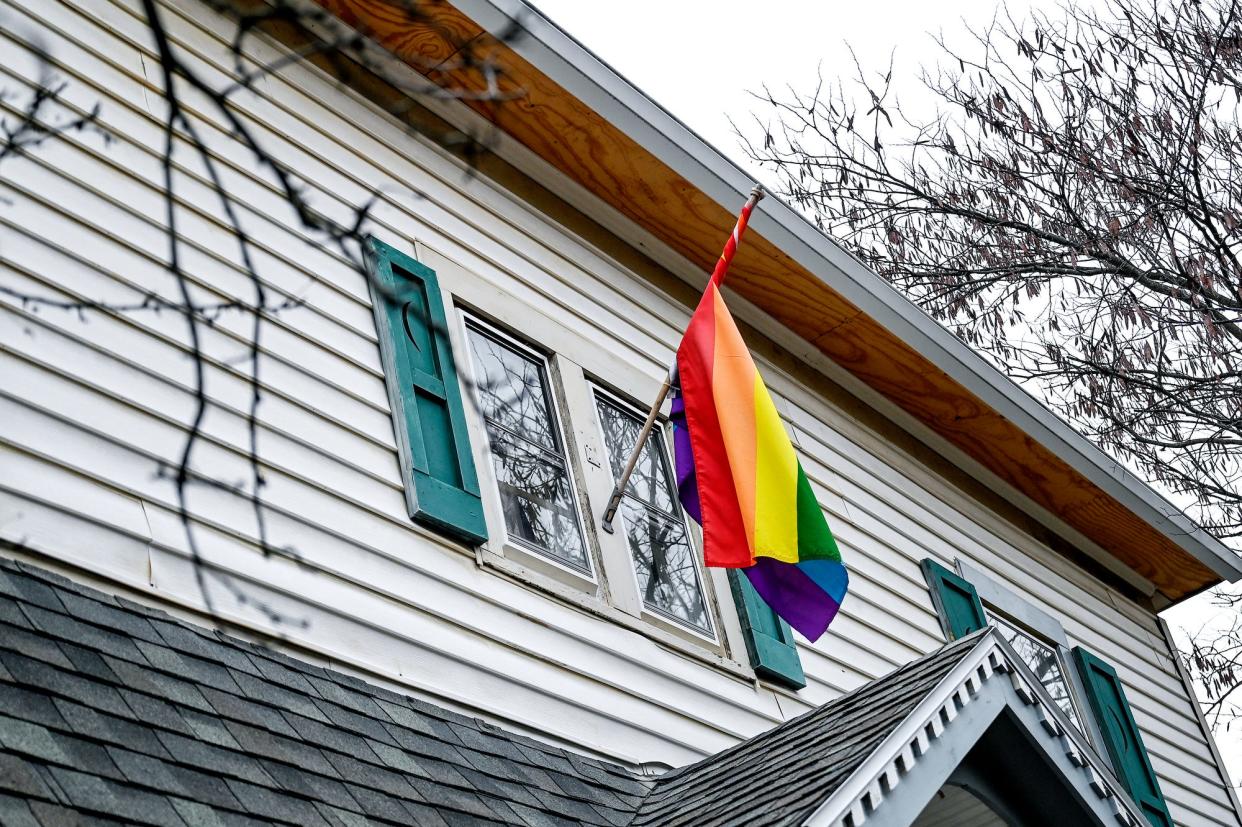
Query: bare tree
309, 33
1073, 209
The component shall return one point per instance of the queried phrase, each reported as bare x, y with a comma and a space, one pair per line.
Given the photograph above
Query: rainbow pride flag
738, 475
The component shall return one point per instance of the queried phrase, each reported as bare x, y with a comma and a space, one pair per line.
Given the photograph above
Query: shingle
19, 776
208, 788
213, 759
110, 728
61, 626
378, 804
356, 722
86, 792
11, 610
344, 818
157, 684
487, 741
33, 645
54, 815
29, 672
15, 812
423, 815
280, 674
433, 748
440, 772
507, 790
242, 709
533, 817
88, 756
376, 777
332, 737
269, 745
33, 740
182, 638
32, 592
29, 705
274, 805
262, 690
410, 720
144, 769
88, 662
310, 785
195, 814
109, 615
211, 729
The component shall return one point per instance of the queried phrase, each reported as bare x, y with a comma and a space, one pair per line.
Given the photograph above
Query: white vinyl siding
89, 410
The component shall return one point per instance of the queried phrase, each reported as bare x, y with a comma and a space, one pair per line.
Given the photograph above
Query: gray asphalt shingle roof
113, 711
780, 777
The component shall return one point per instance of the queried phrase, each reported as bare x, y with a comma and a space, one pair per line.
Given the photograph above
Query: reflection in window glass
531, 470
1043, 661
664, 558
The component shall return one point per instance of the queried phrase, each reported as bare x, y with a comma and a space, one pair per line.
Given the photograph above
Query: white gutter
592, 81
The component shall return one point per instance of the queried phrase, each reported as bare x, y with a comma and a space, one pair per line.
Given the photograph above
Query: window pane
536, 492
668, 578
651, 481
665, 561
1043, 661
512, 392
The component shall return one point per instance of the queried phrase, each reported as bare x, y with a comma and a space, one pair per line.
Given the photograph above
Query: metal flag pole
722, 266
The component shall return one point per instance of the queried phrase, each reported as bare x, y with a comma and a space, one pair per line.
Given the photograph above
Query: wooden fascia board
792, 272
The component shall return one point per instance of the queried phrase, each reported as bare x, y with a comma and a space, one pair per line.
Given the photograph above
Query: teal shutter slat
442, 489
956, 601
769, 640
1121, 735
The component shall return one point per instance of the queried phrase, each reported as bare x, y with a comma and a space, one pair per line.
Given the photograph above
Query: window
662, 554
1044, 662
527, 450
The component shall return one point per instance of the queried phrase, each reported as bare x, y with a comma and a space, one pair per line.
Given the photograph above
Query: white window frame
661, 434
508, 545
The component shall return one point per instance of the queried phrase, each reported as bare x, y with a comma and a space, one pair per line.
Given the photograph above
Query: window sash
674, 519
1056, 684
562, 506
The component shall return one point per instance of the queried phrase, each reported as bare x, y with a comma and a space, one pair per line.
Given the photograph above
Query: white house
442, 633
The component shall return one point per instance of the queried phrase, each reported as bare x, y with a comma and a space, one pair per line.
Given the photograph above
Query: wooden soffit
590, 150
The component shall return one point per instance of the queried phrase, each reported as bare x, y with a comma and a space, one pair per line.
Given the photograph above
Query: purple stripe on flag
793, 595
683, 459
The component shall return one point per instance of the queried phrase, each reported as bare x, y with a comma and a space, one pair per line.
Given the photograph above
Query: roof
781, 776
616, 145
883, 751
110, 710
116, 711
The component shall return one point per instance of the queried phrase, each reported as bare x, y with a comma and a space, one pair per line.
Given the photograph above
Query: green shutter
769, 640
442, 489
955, 599
1121, 735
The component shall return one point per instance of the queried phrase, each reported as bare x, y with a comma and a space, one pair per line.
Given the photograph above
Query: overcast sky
700, 60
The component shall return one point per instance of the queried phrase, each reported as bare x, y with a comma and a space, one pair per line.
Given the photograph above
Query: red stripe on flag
724, 532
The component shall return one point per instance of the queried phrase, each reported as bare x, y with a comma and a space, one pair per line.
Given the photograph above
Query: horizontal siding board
327, 436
